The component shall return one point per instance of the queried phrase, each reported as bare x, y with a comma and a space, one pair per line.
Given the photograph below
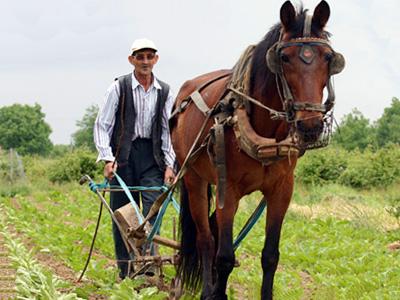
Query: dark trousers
141, 170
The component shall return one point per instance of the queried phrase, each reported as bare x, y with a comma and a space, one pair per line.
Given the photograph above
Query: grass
333, 246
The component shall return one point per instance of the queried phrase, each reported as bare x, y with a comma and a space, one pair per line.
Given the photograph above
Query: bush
73, 165
60, 150
394, 207
36, 167
372, 169
322, 166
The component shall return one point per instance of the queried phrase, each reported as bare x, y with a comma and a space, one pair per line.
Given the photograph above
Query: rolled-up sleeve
104, 123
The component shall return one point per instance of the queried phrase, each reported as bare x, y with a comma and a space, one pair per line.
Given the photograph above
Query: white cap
140, 44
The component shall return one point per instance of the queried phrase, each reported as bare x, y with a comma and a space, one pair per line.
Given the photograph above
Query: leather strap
308, 106
199, 101
184, 104
220, 162
307, 26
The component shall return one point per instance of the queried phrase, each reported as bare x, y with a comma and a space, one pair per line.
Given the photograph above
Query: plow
138, 235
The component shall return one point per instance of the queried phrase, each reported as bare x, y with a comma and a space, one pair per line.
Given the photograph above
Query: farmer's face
143, 61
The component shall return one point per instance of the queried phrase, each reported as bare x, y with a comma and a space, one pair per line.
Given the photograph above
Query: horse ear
321, 15
288, 15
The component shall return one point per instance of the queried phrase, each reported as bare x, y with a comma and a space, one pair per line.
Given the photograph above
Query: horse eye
284, 58
328, 57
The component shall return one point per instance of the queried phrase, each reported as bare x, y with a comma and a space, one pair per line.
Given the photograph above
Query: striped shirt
144, 103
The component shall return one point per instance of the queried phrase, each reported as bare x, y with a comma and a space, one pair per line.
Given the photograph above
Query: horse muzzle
309, 130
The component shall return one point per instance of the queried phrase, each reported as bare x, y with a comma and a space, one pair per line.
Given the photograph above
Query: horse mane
259, 69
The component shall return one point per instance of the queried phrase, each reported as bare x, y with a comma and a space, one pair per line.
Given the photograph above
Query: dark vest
121, 139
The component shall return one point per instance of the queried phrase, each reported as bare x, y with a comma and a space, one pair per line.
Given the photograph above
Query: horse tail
189, 265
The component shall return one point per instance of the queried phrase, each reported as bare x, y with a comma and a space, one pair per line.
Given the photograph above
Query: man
132, 136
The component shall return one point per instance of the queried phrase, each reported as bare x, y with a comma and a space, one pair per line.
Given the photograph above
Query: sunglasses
142, 56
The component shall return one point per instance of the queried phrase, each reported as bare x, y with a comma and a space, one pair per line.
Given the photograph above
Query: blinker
307, 54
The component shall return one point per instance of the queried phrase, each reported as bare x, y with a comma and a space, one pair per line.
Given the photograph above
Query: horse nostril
309, 130
300, 126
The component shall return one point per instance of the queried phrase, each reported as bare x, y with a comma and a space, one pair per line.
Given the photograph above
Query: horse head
304, 61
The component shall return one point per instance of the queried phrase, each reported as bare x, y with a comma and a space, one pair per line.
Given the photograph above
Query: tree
388, 126
22, 127
83, 137
354, 132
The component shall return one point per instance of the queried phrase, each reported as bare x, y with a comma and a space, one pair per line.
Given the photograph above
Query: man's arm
166, 144
104, 126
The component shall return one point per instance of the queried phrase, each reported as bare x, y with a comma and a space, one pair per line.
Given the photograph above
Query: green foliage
352, 168
60, 150
65, 219
388, 126
11, 190
322, 166
354, 132
37, 168
130, 290
73, 165
12, 176
394, 207
83, 137
32, 280
321, 257
22, 127
369, 169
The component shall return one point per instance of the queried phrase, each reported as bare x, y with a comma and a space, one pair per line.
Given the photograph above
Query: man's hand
109, 167
169, 176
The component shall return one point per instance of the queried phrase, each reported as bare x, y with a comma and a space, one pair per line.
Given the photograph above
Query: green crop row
323, 257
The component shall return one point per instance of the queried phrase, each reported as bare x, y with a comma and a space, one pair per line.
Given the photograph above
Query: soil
394, 246
7, 273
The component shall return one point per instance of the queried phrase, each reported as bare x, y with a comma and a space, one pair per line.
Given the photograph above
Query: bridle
306, 54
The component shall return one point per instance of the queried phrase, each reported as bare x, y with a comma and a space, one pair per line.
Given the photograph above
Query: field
337, 243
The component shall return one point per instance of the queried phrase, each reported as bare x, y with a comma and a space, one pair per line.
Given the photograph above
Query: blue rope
250, 223
128, 193
176, 205
160, 215
95, 186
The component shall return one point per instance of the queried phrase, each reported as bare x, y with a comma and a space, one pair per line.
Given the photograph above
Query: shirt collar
135, 82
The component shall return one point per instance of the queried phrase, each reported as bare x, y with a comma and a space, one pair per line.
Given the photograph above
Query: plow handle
84, 179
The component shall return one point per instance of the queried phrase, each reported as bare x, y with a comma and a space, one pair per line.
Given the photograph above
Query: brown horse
288, 72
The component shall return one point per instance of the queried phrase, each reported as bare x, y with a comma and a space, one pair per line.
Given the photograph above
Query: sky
64, 54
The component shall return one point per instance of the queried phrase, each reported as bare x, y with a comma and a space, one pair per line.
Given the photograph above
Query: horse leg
214, 230
225, 258
199, 210
278, 203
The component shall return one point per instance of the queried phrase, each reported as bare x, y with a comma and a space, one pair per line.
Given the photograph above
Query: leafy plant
322, 166
32, 281
394, 207
130, 289
373, 169
354, 132
73, 165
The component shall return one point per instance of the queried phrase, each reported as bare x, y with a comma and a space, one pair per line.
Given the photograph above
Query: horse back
211, 93
186, 124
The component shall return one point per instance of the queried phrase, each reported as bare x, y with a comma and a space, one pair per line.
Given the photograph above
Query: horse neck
260, 117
